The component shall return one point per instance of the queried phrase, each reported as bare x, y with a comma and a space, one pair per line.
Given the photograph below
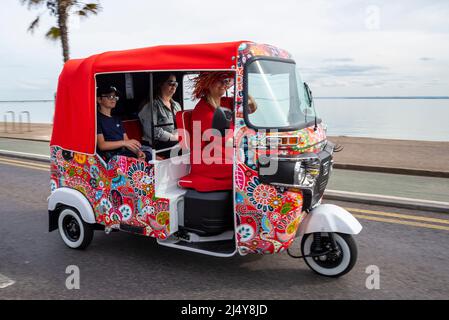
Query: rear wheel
335, 263
75, 233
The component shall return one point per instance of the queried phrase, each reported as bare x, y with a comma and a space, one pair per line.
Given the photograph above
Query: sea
405, 118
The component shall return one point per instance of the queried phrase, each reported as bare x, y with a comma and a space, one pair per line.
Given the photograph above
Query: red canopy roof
75, 113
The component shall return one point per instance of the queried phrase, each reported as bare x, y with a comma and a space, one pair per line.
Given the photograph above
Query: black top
112, 130
110, 127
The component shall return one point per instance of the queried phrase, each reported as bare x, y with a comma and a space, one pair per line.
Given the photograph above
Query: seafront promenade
35, 131
405, 173
358, 153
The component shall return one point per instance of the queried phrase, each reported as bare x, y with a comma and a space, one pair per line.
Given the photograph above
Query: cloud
338, 60
353, 70
426, 59
35, 84
345, 70
330, 41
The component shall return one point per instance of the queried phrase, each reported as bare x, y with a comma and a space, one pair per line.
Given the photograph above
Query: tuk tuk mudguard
267, 218
71, 198
330, 218
121, 193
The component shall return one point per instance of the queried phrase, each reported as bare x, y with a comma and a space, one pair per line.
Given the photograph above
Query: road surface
409, 248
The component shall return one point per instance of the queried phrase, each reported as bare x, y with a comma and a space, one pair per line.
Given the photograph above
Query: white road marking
5, 281
17, 153
380, 196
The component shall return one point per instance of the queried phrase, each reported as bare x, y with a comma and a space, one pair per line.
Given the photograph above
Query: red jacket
204, 114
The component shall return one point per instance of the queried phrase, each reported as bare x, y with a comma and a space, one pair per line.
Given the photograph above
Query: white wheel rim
329, 271
67, 241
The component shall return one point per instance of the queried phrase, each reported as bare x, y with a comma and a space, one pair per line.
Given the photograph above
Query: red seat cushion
133, 129
204, 184
184, 126
201, 182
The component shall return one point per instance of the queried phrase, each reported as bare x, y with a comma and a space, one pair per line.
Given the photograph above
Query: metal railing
21, 123
13, 122
5, 117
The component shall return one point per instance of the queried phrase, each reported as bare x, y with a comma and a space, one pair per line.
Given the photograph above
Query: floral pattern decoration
267, 217
121, 192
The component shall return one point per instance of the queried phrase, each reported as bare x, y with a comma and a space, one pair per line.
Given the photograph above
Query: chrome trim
296, 159
292, 186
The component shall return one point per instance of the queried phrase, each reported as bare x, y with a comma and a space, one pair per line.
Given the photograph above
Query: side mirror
222, 120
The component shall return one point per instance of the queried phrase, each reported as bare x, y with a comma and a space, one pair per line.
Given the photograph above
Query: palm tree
61, 9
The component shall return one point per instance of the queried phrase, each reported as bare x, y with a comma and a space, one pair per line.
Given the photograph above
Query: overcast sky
342, 48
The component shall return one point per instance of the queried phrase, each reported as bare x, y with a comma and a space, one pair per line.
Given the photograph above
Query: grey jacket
161, 115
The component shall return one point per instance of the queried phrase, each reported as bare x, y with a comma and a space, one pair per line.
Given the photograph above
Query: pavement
32, 132
422, 158
402, 173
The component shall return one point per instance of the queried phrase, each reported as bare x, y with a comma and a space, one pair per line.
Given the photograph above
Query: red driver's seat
192, 181
184, 126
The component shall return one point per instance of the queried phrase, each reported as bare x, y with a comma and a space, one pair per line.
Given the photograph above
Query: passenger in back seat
164, 111
111, 137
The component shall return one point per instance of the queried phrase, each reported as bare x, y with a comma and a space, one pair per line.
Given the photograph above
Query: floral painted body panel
121, 193
267, 218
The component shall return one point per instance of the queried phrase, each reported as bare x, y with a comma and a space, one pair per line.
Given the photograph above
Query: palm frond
52, 6
61, 10
53, 34
34, 24
33, 3
88, 9
92, 7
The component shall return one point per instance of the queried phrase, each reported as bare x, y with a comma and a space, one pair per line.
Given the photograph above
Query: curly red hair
204, 80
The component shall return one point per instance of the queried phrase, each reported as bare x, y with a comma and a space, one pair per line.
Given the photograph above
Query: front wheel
75, 233
334, 264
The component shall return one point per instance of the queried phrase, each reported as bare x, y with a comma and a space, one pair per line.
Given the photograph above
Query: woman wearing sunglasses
210, 88
164, 111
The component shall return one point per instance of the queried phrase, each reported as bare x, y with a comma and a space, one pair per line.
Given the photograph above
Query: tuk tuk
281, 160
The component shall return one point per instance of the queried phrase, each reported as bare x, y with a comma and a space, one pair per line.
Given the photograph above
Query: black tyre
75, 233
330, 265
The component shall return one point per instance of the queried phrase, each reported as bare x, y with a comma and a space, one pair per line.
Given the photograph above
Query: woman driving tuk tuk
214, 171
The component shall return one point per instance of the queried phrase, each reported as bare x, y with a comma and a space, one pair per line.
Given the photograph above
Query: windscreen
280, 95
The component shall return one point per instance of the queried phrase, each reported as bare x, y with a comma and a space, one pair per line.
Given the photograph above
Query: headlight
302, 171
307, 172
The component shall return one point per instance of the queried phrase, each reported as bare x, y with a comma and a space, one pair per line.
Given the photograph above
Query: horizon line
318, 97
383, 97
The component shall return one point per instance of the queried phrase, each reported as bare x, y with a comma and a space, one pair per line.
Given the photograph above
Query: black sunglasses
172, 83
110, 97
